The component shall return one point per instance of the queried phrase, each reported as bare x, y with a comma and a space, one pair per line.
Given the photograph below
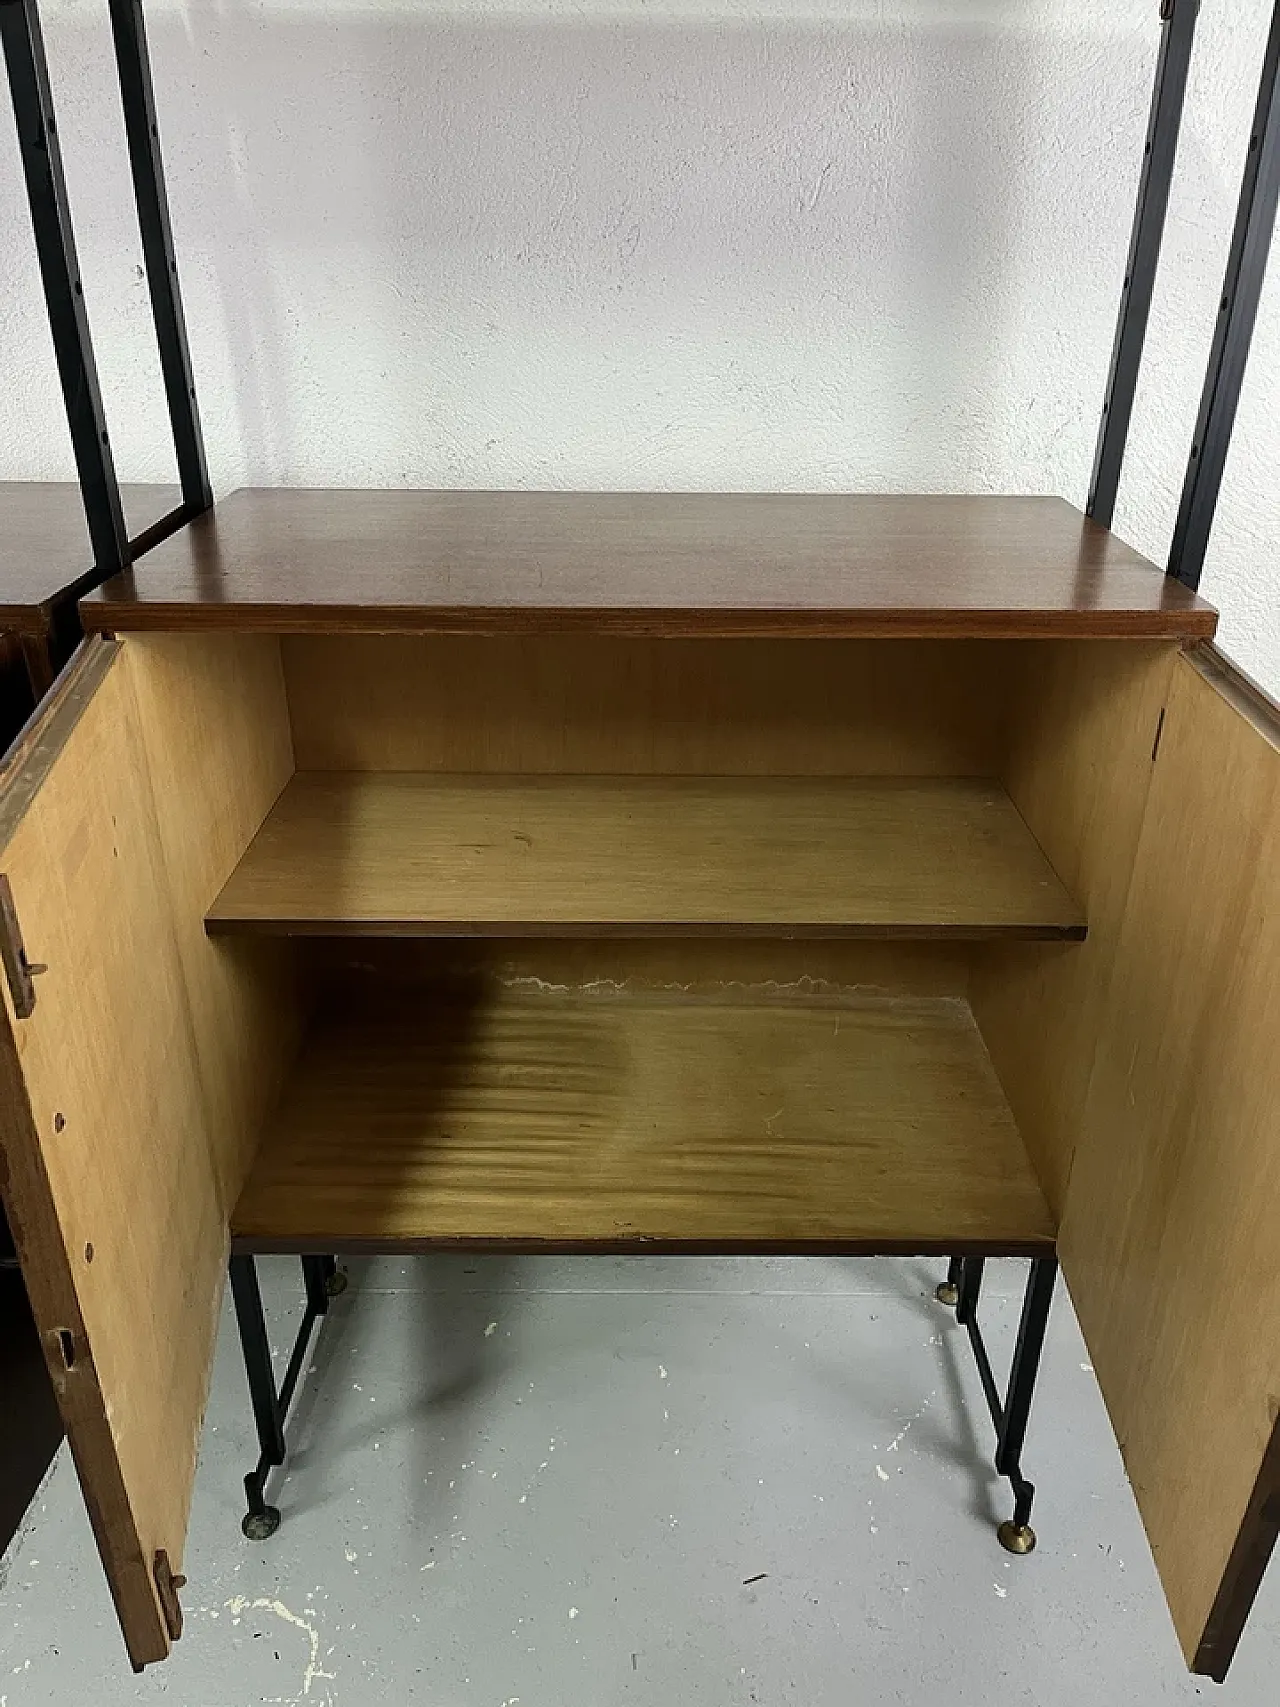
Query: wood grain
499, 1115
107, 1175
1083, 722
132, 1095
215, 727
44, 544
437, 855
1171, 1229
600, 705
647, 563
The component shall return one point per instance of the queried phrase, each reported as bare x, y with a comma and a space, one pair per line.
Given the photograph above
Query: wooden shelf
707, 564
410, 854
44, 544
560, 1119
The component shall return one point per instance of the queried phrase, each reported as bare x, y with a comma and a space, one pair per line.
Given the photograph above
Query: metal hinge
167, 1586
17, 968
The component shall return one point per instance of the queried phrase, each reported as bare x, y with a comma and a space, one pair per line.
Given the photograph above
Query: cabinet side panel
215, 728
1083, 723
1171, 1233
601, 705
107, 1172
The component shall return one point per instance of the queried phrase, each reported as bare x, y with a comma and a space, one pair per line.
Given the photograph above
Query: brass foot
948, 1293
1017, 1538
261, 1524
336, 1283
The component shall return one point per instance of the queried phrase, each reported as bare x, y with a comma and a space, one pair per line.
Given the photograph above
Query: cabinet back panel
1083, 720
215, 725
596, 705
702, 966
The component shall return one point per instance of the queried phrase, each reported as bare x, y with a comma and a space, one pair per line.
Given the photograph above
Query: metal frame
32, 96
1237, 317
1178, 27
961, 1289
323, 1280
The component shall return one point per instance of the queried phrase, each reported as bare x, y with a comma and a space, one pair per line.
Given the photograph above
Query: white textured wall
849, 244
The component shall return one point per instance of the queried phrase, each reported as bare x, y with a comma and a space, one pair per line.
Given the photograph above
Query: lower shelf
485, 1114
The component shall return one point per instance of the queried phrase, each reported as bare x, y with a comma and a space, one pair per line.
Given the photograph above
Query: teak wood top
44, 543
413, 854
643, 1119
648, 563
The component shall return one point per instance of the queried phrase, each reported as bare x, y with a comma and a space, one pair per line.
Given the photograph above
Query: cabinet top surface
293, 561
44, 543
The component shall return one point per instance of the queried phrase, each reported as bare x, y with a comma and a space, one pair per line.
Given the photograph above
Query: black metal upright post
143, 132
60, 271
1237, 317
1178, 19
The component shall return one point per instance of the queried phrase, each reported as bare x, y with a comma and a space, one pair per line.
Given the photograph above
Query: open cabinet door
116, 1162
1170, 1238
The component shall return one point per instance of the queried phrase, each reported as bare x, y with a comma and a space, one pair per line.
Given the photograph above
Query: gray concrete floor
543, 1483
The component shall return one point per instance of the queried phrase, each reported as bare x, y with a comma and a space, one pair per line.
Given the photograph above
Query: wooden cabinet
404, 872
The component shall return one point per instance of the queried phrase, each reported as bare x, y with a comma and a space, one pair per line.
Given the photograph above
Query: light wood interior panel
600, 705
414, 852
109, 1180
1082, 727
623, 1115
1171, 1233
133, 1093
215, 725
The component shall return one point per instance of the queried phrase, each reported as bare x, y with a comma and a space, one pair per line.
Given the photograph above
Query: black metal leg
315, 1275
970, 1286
321, 1276
257, 1357
1011, 1414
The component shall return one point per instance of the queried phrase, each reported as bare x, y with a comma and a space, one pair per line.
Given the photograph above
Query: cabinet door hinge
17, 968
167, 1586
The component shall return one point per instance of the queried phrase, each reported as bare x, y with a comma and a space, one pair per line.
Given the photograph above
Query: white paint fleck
491, 1330
1087, 1367
1002, 1592
882, 1473
238, 1605
350, 1554
662, 1372
430, 1566
524, 1499
573, 1612
902, 1433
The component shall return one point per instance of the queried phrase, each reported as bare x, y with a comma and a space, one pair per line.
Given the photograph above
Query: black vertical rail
60, 271
133, 62
1178, 22
1237, 317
